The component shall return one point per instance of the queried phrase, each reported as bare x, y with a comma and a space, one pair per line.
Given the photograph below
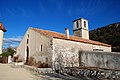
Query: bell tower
80, 28
2, 30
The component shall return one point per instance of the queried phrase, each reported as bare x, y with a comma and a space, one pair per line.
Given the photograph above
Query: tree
9, 52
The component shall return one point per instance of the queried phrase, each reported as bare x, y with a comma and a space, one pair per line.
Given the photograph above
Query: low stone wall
93, 72
32, 68
38, 70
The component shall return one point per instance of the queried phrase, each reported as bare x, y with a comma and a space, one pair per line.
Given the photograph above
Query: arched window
28, 35
85, 24
77, 24
27, 38
41, 48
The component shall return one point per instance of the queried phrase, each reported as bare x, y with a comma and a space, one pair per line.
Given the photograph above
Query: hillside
109, 34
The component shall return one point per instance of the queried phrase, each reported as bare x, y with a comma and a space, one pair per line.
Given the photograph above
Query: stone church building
44, 48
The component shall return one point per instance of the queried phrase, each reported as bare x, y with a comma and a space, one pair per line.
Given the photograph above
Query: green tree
9, 52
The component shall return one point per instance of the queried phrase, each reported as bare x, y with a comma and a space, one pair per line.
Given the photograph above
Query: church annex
43, 48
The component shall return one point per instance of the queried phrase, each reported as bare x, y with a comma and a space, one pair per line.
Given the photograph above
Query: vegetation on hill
109, 34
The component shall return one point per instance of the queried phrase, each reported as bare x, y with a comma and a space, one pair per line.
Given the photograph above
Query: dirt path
9, 73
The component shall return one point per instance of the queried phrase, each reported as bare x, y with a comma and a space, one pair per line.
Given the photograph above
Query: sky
55, 15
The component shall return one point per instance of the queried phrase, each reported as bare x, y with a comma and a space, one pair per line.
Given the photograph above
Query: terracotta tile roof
71, 38
2, 27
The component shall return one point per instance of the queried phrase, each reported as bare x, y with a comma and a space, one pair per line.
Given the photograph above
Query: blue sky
55, 15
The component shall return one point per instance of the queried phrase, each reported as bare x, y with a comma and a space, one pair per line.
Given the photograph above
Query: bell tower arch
80, 28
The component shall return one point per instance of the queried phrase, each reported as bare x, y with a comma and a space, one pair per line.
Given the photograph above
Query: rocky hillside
109, 34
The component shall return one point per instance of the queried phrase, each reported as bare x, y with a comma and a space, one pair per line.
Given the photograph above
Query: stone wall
65, 54
38, 70
108, 60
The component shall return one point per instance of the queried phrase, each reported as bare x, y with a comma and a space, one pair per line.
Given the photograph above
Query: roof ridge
48, 30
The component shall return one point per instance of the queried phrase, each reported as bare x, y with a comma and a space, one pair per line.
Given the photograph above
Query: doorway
27, 56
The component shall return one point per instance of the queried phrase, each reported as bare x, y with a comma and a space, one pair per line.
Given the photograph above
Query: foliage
9, 52
6, 54
109, 34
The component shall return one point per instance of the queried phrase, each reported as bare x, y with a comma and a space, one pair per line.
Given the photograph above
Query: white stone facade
39, 47
2, 30
1, 40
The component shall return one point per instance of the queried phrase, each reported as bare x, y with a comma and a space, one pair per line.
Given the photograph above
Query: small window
41, 48
27, 41
27, 38
84, 24
77, 24
28, 35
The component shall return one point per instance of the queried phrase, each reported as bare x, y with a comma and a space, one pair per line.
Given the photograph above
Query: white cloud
11, 42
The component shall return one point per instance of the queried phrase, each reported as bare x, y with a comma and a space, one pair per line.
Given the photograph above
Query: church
44, 48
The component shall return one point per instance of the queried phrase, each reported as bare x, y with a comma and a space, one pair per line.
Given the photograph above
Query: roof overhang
2, 27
